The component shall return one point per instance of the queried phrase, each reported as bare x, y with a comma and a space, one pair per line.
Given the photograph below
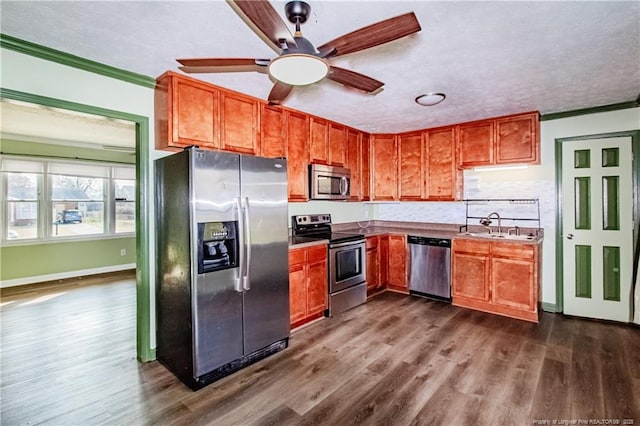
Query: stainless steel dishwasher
430, 267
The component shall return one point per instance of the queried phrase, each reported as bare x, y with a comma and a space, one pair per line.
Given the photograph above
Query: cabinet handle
570, 236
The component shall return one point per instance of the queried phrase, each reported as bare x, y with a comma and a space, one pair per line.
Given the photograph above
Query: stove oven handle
347, 243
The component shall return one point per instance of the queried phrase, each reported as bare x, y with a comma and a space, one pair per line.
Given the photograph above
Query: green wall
32, 260
53, 258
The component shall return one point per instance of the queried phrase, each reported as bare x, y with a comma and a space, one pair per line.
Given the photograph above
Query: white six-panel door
597, 227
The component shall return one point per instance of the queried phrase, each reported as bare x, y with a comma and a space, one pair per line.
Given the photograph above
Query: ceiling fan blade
214, 65
264, 21
279, 92
374, 35
354, 79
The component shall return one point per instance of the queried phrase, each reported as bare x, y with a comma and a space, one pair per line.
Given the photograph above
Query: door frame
635, 171
143, 291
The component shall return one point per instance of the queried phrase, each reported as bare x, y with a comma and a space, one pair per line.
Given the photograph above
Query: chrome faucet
495, 215
487, 221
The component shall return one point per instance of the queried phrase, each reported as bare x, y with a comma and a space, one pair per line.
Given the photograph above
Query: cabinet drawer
317, 253
297, 256
471, 246
513, 250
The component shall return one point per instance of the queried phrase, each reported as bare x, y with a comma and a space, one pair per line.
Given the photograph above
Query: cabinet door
273, 131
373, 278
517, 139
471, 276
476, 142
383, 260
512, 283
354, 158
195, 114
411, 166
384, 161
297, 155
397, 261
319, 147
239, 123
297, 293
337, 145
444, 180
317, 287
365, 163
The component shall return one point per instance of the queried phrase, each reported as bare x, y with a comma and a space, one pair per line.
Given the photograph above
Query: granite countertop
418, 229
430, 230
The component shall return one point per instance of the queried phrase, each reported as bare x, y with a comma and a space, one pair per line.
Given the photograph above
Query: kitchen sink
499, 236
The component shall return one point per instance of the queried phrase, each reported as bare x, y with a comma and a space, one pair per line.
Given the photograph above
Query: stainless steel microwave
329, 183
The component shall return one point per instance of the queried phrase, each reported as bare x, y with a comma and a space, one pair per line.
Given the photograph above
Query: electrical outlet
123, 252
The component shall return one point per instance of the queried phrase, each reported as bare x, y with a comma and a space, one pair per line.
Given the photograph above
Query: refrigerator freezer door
266, 295
216, 304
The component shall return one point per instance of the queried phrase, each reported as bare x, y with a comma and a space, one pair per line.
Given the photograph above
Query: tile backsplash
480, 187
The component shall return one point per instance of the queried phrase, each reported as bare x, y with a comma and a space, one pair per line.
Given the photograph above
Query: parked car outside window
71, 216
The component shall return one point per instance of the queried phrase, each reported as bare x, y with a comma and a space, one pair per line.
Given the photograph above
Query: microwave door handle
246, 281
343, 185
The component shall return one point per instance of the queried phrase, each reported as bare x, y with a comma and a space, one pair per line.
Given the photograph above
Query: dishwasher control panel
428, 241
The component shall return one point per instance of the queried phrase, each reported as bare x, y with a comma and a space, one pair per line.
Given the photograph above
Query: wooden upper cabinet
273, 131
365, 164
384, 170
337, 145
444, 179
297, 155
239, 123
411, 182
354, 162
476, 142
319, 141
186, 113
501, 140
517, 139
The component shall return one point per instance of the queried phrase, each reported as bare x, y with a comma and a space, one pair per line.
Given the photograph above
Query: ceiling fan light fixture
298, 69
430, 99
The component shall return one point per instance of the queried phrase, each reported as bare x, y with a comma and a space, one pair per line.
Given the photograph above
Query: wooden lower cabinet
386, 263
497, 277
373, 271
308, 289
397, 261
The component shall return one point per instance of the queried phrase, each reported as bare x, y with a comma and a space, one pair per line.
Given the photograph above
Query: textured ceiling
490, 58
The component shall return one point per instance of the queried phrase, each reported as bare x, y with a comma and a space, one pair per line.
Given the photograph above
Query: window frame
45, 202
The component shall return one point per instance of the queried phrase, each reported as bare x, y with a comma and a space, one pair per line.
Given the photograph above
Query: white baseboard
64, 275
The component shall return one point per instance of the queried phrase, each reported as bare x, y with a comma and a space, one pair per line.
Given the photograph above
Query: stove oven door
346, 265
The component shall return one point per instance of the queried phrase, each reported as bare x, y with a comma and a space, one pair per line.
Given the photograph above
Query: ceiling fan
299, 62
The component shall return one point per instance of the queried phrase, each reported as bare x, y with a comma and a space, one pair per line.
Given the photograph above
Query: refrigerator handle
246, 280
241, 261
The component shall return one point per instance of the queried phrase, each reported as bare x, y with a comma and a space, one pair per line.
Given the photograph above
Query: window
51, 199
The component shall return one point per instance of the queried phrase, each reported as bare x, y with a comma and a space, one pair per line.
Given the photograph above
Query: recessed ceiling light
430, 99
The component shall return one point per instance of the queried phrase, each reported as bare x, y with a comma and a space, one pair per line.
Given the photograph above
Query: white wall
29, 74
341, 212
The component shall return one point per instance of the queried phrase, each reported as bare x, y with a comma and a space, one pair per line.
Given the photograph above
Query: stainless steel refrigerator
222, 262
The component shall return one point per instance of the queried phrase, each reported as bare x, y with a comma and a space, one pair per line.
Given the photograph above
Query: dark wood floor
68, 358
